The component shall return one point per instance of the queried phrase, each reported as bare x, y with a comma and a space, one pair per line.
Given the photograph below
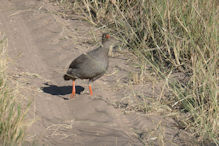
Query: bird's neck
105, 47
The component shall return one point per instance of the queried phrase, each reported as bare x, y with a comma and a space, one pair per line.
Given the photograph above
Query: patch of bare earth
41, 46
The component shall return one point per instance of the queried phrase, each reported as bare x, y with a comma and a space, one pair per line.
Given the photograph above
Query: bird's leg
90, 88
73, 89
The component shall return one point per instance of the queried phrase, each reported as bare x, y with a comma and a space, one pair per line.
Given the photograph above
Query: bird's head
108, 41
105, 37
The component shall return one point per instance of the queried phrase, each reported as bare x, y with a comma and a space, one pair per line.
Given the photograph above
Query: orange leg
91, 92
73, 89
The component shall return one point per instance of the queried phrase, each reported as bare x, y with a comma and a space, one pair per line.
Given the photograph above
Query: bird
91, 65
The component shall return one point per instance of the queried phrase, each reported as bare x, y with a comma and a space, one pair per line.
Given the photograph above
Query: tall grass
174, 38
11, 113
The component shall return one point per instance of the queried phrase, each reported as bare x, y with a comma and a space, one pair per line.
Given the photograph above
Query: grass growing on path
179, 41
11, 113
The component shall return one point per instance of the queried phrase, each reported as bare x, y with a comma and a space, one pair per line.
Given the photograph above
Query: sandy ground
41, 45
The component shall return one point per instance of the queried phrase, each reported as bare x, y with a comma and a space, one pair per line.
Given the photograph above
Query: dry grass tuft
11, 113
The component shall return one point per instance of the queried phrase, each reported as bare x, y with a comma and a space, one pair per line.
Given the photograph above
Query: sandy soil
41, 46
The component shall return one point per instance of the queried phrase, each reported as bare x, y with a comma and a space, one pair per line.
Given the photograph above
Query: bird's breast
102, 63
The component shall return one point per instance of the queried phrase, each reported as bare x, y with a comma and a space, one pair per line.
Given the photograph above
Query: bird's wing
79, 61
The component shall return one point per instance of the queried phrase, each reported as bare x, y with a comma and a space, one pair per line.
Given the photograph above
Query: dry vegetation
11, 113
179, 41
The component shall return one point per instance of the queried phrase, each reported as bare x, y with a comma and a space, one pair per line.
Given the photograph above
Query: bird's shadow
60, 90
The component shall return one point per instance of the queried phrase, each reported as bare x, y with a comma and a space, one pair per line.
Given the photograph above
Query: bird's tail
66, 77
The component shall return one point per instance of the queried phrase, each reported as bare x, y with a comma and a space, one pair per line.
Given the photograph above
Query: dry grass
179, 41
11, 113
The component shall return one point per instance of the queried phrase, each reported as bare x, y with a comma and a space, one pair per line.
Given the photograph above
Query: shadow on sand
60, 90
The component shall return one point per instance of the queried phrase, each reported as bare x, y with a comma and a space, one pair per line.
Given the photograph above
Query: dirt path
41, 46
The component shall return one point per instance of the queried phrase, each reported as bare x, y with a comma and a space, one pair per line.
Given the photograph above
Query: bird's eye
107, 36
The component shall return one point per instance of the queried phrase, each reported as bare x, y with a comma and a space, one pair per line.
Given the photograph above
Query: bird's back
89, 65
